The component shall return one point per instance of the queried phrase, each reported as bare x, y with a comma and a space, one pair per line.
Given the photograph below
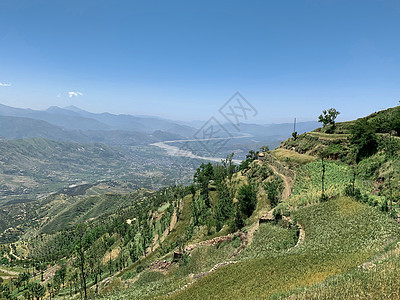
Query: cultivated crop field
340, 234
270, 240
307, 186
377, 280
149, 286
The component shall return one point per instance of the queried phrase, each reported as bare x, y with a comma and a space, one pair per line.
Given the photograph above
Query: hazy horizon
199, 121
183, 61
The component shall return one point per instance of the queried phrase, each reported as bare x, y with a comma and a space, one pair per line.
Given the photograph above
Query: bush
363, 137
247, 198
348, 191
184, 260
273, 189
324, 198
384, 206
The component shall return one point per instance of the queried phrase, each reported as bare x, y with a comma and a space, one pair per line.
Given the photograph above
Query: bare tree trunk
82, 268
323, 177
390, 193
110, 262
96, 283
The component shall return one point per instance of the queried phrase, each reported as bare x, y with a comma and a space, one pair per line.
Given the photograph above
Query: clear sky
184, 59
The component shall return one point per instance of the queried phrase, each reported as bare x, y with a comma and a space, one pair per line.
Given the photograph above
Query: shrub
324, 198
348, 191
273, 189
184, 260
363, 136
247, 198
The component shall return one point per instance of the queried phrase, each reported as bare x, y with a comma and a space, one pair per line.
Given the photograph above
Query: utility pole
294, 133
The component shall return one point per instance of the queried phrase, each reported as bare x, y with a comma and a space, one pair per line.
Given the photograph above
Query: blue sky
184, 59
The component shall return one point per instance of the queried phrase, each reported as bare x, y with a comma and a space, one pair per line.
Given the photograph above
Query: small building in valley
261, 156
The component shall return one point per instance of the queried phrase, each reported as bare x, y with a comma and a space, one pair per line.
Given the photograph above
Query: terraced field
378, 280
341, 234
307, 186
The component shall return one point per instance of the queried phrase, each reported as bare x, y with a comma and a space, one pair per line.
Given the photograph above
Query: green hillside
312, 219
33, 168
340, 235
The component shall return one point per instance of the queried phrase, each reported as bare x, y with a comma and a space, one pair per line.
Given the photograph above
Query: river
175, 151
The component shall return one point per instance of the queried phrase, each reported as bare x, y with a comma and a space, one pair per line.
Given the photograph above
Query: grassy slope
379, 281
340, 234
307, 186
60, 211
289, 155
66, 213
270, 240
36, 166
32, 166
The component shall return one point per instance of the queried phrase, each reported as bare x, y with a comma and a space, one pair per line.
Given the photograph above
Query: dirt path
50, 272
250, 233
212, 242
302, 235
377, 259
287, 182
248, 237
11, 273
11, 253
197, 276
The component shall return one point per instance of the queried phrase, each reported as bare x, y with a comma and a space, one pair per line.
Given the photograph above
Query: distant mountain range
73, 124
75, 118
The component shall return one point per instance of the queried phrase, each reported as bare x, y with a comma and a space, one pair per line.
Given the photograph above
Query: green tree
363, 138
224, 209
328, 117
264, 148
294, 135
250, 157
62, 273
229, 166
37, 290
80, 231
354, 164
247, 199
199, 210
202, 178
273, 189
192, 190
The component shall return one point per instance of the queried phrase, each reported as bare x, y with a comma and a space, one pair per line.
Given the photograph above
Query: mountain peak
74, 108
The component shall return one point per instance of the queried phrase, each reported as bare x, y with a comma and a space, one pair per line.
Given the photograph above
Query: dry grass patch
114, 254
285, 155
